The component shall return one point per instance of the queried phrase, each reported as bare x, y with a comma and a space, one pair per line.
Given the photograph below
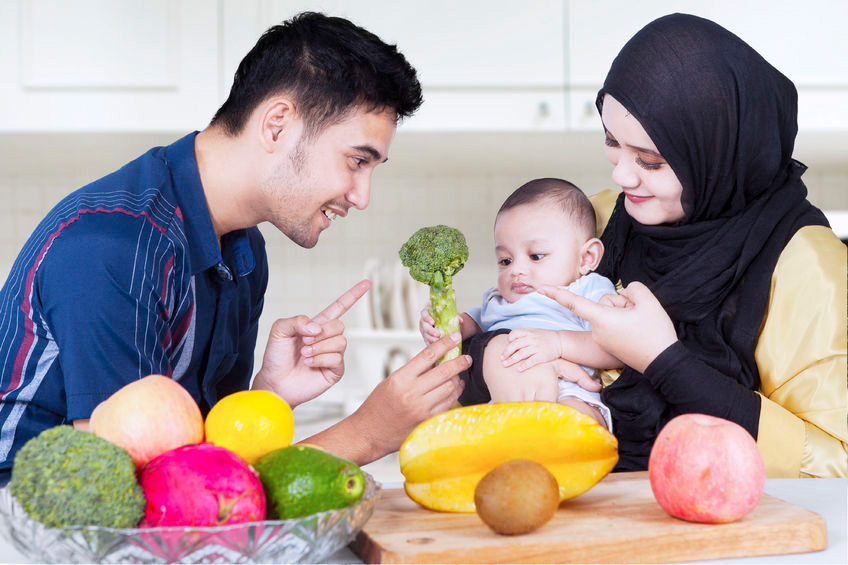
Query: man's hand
530, 347
633, 326
415, 392
304, 357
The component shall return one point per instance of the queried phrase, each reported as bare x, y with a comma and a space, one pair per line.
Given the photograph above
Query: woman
734, 299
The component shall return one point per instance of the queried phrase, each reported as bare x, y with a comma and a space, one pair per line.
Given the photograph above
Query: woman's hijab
725, 120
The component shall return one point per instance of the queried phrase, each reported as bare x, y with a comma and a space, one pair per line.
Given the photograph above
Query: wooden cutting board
617, 521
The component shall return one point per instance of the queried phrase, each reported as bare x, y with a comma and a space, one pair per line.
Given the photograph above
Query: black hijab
725, 121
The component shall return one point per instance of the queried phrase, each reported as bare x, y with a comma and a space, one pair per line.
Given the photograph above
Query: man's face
323, 176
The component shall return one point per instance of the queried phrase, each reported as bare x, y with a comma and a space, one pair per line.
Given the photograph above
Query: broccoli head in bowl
66, 477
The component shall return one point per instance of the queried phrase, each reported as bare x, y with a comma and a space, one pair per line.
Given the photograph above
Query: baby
544, 234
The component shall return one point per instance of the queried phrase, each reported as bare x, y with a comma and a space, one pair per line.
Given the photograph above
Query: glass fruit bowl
301, 540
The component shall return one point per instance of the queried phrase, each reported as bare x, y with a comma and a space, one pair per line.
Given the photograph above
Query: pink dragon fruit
200, 485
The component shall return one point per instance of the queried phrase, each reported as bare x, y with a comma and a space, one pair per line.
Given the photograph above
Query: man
159, 267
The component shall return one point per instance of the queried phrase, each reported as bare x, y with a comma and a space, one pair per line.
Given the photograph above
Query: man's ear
590, 255
277, 118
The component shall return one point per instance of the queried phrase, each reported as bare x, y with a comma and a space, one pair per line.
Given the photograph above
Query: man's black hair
328, 66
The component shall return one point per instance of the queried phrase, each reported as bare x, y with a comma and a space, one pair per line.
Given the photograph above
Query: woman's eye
610, 142
504, 262
648, 165
537, 256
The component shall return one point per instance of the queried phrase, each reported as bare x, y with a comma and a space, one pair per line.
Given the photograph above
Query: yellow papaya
445, 457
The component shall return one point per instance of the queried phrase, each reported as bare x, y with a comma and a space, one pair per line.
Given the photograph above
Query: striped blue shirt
122, 279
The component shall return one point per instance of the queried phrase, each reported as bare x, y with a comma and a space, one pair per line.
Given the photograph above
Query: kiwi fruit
517, 497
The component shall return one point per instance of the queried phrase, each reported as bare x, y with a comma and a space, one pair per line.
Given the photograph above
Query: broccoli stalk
443, 301
434, 255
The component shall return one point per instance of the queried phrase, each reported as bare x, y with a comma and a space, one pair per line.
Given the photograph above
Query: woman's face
651, 189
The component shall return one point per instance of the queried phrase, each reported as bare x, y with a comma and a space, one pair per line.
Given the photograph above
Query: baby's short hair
572, 201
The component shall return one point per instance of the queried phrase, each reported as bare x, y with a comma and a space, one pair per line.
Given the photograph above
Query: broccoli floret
434, 255
65, 477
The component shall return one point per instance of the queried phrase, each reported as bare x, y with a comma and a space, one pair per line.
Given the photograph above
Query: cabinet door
473, 43
483, 64
108, 65
805, 41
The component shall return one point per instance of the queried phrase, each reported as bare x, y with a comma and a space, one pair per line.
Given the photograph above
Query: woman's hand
530, 347
633, 326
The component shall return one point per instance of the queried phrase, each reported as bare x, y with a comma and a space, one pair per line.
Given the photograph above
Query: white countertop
826, 497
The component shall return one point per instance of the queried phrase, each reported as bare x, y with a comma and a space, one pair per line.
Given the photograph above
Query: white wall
429, 179
459, 179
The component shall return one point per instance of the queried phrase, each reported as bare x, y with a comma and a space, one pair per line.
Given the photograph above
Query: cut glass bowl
309, 539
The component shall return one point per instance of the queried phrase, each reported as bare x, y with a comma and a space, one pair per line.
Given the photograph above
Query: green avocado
300, 480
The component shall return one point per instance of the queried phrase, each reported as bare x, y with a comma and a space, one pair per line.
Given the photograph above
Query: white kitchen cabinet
453, 45
108, 65
483, 64
537, 66
806, 42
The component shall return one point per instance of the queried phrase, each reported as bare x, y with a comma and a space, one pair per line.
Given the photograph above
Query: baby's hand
529, 347
568, 371
427, 326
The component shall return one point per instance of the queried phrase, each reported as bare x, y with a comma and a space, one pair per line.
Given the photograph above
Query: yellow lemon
250, 423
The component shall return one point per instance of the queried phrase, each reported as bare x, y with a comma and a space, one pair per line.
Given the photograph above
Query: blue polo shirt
122, 279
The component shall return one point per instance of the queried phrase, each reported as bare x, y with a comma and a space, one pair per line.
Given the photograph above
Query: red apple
706, 469
148, 417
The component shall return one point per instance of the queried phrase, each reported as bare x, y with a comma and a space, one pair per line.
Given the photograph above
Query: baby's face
535, 244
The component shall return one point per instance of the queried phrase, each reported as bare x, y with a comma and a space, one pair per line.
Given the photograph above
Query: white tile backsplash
304, 281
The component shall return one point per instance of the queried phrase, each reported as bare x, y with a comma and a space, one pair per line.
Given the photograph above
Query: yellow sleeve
801, 356
603, 202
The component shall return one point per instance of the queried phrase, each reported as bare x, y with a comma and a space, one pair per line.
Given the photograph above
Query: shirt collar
192, 208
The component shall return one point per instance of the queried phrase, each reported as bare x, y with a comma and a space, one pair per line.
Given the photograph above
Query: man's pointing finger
343, 303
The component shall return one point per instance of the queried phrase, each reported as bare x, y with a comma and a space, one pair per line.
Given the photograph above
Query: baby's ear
590, 255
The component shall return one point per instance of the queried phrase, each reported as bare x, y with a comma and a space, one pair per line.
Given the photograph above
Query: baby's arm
579, 347
506, 384
467, 326
427, 326
529, 347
